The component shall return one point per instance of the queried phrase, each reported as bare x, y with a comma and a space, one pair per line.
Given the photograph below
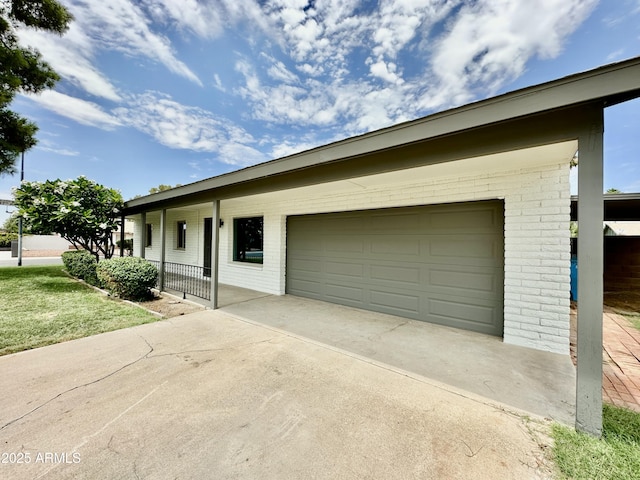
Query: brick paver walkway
620, 360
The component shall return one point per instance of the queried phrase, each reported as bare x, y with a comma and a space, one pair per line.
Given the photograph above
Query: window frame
240, 256
181, 234
148, 238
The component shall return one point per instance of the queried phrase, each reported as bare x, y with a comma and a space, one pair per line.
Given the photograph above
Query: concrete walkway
209, 395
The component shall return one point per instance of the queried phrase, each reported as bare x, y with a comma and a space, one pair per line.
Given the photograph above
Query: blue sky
175, 91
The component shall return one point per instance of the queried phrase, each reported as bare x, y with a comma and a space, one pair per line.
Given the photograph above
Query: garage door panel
462, 312
477, 220
305, 288
407, 275
474, 281
396, 301
345, 292
397, 246
456, 247
308, 265
342, 244
345, 269
443, 264
396, 222
344, 223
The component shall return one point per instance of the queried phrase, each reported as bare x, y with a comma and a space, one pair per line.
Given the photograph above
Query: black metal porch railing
188, 279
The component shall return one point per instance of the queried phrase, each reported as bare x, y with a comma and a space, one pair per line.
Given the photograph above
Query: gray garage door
438, 263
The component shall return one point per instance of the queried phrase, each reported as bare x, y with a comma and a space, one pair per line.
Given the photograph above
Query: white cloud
205, 19
59, 151
386, 72
82, 111
489, 42
190, 128
218, 83
71, 56
279, 72
120, 25
420, 55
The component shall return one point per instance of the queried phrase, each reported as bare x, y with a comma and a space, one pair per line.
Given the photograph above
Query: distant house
625, 229
460, 218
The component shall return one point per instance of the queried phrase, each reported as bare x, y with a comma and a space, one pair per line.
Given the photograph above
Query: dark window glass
247, 239
182, 234
148, 235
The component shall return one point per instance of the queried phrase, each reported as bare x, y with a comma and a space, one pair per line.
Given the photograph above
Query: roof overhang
543, 114
617, 207
6, 202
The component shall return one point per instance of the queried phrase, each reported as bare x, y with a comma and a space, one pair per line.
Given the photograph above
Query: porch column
215, 243
163, 227
143, 234
122, 235
590, 275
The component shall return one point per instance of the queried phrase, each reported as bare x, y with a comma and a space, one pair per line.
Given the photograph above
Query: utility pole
20, 218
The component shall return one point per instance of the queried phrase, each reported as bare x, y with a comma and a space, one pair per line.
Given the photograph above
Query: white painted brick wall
537, 251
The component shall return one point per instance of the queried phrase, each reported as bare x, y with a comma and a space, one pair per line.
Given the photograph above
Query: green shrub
6, 239
81, 264
128, 277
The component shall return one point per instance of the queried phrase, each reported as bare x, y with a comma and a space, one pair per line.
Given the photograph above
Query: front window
149, 232
247, 239
182, 234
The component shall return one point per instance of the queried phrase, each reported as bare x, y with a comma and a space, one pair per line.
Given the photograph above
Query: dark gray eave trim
604, 86
622, 207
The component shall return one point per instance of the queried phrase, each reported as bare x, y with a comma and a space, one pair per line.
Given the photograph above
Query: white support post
163, 227
215, 243
590, 276
143, 234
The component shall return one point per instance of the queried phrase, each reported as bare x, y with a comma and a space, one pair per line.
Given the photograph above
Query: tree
162, 187
613, 190
81, 211
22, 70
10, 225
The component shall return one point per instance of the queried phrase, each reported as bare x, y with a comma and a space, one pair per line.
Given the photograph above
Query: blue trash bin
574, 277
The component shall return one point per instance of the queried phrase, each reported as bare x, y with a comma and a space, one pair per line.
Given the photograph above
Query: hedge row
81, 264
6, 239
126, 277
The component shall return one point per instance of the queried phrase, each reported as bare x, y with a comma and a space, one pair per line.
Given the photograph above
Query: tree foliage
10, 225
22, 70
82, 211
161, 188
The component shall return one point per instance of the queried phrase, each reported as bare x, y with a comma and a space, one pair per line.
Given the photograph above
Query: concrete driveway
210, 395
6, 260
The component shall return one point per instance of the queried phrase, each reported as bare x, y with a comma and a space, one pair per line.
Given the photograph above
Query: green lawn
41, 305
634, 319
616, 456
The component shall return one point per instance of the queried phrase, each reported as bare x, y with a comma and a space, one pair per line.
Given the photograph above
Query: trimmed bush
81, 264
128, 277
6, 239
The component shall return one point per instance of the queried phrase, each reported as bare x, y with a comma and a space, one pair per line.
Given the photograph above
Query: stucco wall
537, 252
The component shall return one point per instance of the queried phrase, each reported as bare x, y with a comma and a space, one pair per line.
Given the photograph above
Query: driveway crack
204, 350
77, 387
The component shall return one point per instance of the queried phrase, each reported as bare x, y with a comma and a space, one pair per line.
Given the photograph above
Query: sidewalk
620, 358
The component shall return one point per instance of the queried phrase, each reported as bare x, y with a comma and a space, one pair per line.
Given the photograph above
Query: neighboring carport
555, 113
